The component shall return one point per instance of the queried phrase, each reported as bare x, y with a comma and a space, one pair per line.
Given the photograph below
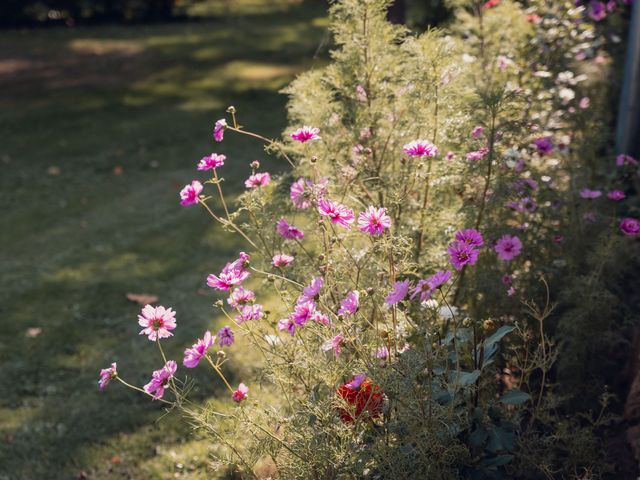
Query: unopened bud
271, 278
370, 291
221, 354
231, 109
314, 159
488, 324
255, 164
321, 257
219, 303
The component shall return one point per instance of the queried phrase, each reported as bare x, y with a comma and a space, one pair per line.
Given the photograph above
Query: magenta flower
306, 134
107, 374
303, 190
350, 304
225, 337
288, 231
248, 312
302, 313
449, 156
157, 321
630, 226
438, 279
590, 194
623, 159
239, 296
333, 344
193, 355
470, 236
160, 380
597, 10
508, 247
616, 195
286, 324
543, 145
356, 381
211, 161
337, 213
189, 194
461, 254
231, 275
420, 148
258, 180
423, 289
374, 220
399, 292
311, 291
477, 155
218, 130
281, 260
477, 131
241, 393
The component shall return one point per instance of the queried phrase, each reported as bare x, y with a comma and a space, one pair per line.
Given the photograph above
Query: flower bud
314, 159
271, 278
221, 354
370, 291
321, 257
488, 324
255, 164
219, 303
231, 109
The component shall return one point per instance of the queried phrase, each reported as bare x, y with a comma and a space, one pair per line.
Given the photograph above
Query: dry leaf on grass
142, 298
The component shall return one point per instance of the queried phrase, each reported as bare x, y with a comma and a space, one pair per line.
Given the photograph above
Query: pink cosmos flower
596, 10
420, 148
304, 190
616, 195
449, 156
623, 159
248, 312
107, 374
399, 292
361, 93
258, 180
630, 226
302, 313
306, 133
157, 322
288, 231
477, 155
333, 344
286, 324
356, 381
438, 279
281, 260
558, 238
461, 254
311, 291
239, 296
477, 131
218, 130
425, 288
189, 194
321, 318
241, 393
506, 279
225, 337
337, 213
193, 355
211, 161
350, 304
232, 274
586, 193
511, 292
508, 247
543, 145
584, 103
374, 220
422, 288
470, 236
160, 380
589, 217
382, 353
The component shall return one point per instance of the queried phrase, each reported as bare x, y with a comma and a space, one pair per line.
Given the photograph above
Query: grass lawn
99, 129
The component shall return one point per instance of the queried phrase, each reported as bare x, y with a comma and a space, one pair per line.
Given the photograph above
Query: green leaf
468, 378
515, 397
498, 335
496, 461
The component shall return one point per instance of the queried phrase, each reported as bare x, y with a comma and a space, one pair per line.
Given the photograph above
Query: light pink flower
304, 190
584, 103
321, 318
616, 195
305, 134
286, 324
508, 247
160, 380
248, 312
590, 194
350, 304
231, 275
288, 231
382, 353
189, 194
281, 260
477, 131
596, 10
449, 156
337, 213
511, 292
241, 393
333, 344
630, 226
107, 374
361, 93
258, 180
420, 148
239, 296
399, 292
211, 161
311, 291
477, 155
374, 220
193, 355
157, 322
623, 159
218, 130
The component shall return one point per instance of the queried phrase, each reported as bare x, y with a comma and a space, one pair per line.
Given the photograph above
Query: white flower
448, 312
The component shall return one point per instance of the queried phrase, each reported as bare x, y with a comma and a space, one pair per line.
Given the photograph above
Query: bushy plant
407, 257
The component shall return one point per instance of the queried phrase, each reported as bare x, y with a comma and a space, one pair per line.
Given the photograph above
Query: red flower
492, 3
364, 400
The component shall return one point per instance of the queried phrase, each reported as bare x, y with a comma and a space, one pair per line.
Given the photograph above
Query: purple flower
350, 304
477, 131
423, 289
420, 148
506, 279
218, 130
426, 287
193, 355
438, 279
461, 254
355, 383
225, 337
543, 145
511, 292
160, 380
288, 231
590, 194
596, 10
616, 195
399, 292
630, 226
471, 237
311, 291
286, 324
508, 247
623, 159
107, 374
382, 353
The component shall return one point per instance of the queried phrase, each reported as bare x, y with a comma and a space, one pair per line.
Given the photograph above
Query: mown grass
99, 128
